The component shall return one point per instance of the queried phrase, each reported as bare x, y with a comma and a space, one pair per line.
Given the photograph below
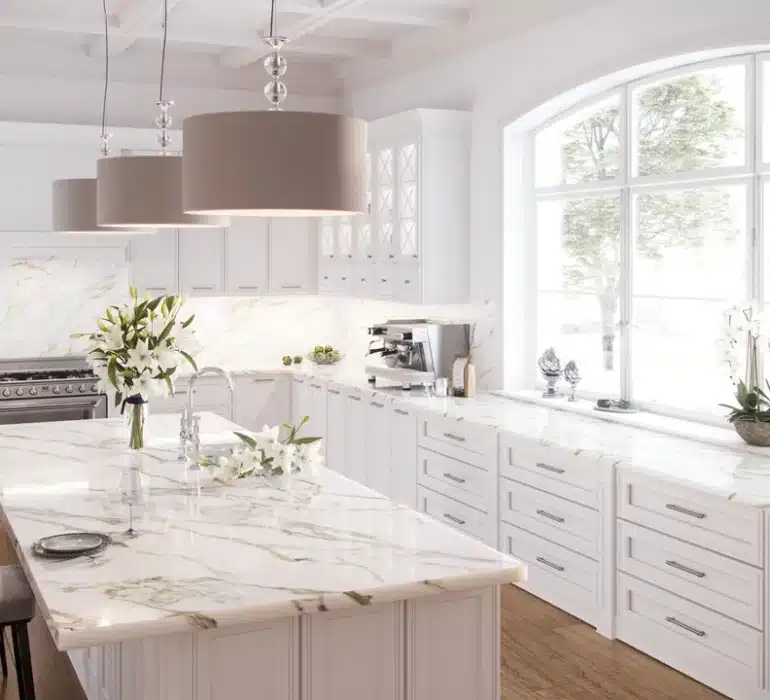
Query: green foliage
753, 404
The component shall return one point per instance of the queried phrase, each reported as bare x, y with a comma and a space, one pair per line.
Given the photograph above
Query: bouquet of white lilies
139, 346
266, 454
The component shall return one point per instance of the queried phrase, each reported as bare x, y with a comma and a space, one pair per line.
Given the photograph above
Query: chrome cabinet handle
401, 411
180, 393
550, 563
550, 516
203, 288
378, 405
391, 256
676, 622
456, 438
453, 519
685, 511
454, 478
549, 468
334, 391
316, 386
354, 398
686, 569
155, 289
249, 287
292, 286
262, 380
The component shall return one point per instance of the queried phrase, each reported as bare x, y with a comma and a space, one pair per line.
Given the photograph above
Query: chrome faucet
189, 428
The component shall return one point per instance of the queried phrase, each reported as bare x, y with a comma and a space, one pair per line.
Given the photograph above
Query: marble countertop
207, 554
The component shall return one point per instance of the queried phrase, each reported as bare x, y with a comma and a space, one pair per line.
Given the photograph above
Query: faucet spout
189, 430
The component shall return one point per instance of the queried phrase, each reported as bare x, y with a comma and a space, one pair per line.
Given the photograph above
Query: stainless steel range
51, 389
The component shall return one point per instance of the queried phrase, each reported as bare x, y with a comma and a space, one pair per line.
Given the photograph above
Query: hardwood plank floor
546, 655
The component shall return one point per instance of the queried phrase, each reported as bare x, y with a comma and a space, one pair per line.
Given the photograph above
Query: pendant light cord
272, 18
106, 76
163, 50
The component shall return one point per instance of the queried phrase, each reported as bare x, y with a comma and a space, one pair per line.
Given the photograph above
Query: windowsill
725, 438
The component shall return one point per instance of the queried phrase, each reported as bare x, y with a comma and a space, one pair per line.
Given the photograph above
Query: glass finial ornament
572, 376
550, 368
276, 67
164, 121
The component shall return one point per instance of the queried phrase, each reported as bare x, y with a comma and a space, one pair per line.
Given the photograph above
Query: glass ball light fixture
274, 163
145, 191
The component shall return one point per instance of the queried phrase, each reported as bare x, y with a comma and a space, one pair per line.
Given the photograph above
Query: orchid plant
137, 350
266, 454
743, 331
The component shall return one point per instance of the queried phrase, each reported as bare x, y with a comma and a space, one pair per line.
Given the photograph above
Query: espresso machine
415, 352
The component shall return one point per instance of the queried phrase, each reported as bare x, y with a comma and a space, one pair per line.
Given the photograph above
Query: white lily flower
144, 385
113, 339
186, 341
166, 357
141, 358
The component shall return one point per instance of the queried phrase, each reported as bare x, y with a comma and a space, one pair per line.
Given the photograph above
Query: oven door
53, 409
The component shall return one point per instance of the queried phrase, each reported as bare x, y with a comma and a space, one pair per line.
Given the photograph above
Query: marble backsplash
43, 301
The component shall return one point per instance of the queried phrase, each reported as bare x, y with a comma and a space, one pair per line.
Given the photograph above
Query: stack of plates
70, 545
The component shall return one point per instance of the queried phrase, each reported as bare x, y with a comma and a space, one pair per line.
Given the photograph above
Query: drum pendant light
74, 199
146, 191
274, 163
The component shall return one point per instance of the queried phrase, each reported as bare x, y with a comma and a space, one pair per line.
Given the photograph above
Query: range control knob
82, 388
6, 393
57, 390
94, 388
19, 392
69, 389
33, 391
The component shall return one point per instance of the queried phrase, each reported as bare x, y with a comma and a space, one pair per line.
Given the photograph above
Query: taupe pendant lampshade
74, 208
274, 163
144, 192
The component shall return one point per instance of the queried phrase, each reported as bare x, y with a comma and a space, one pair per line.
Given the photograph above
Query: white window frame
754, 174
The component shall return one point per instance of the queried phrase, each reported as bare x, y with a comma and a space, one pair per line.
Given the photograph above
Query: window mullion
626, 248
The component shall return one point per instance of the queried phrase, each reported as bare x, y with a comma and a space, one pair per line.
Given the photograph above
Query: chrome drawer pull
247, 288
354, 398
549, 468
453, 519
550, 516
334, 391
316, 386
295, 286
686, 569
454, 478
676, 622
685, 511
262, 380
456, 438
401, 412
550, 563
378, 405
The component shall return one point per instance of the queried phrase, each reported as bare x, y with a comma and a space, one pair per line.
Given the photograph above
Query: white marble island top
212, 555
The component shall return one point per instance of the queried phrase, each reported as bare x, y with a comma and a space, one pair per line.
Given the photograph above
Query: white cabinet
377, 443
154, 262
419, 213
201, 261
261, 401
232, 662
336, 432
402, 424
299, 404
316, 409
293, 256
247, 256
356, 451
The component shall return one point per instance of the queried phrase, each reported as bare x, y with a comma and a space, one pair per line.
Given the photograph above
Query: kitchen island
325, 590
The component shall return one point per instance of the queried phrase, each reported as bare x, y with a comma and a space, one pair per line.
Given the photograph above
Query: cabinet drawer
551, 469
475, 444
709, 521
725, 585
561, 577
711, 648
458, 515
463, 482
561, 521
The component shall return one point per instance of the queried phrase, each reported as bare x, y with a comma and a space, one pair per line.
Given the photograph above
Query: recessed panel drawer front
710, 647
469, 442
552, 469
564, 522
691, 515
458, 515
555, 574
463, 482
717, 582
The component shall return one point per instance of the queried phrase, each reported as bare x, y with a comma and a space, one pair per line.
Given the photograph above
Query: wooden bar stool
17, 608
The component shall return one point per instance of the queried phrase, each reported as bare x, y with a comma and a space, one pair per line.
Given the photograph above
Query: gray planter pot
753, 432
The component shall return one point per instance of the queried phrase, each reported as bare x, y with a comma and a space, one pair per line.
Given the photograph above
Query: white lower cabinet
377, 438
356, 452
211, 394
315, 400
336, 434
261, 401
402, 426
299, 401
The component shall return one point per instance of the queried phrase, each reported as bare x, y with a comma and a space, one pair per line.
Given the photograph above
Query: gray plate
72, 544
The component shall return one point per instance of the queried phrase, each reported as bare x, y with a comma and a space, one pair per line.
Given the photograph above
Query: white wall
543, 58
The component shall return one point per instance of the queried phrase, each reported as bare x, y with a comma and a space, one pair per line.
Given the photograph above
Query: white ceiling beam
310, 46
136, 21
329, 10
408, 16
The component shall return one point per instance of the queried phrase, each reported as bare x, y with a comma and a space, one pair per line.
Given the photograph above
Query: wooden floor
546, 655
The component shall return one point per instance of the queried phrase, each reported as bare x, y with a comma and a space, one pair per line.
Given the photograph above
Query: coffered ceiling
211, 42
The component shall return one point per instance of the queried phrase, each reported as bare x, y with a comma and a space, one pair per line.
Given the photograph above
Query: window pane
578, 271
584, 147
690, 262
691, 122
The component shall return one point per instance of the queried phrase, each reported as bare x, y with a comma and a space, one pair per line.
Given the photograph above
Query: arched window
650, 207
